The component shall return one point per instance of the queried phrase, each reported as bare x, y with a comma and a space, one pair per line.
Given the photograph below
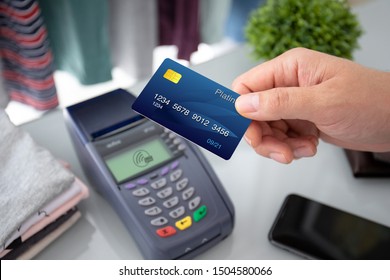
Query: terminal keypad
170, 201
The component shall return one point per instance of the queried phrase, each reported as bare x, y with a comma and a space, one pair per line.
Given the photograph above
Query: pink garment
58, 212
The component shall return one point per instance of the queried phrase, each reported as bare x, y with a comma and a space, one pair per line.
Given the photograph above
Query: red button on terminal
166, 231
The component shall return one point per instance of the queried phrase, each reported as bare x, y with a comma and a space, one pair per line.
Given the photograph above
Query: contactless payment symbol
172, 76
142, 158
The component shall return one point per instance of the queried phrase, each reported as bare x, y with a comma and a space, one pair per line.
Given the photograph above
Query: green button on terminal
200, 213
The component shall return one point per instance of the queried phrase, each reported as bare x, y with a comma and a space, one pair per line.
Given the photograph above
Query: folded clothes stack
38, 196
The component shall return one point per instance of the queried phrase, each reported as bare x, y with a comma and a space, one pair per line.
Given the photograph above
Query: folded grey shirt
29, 177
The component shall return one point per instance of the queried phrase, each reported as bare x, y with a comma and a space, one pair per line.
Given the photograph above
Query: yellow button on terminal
184, 223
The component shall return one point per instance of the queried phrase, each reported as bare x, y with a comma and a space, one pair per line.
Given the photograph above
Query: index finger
295, 68
278, 72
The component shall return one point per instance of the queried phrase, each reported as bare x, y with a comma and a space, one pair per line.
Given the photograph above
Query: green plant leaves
279, 25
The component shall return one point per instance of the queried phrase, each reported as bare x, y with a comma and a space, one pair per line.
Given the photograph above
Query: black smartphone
317, 231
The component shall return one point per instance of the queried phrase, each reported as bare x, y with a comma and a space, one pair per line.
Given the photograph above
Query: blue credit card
194, 107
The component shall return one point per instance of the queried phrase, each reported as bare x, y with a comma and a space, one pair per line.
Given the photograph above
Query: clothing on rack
133, 36
78, 32
213, 17
27, 60
178, 23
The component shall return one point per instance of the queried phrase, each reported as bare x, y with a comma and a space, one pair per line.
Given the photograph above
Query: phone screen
314, 230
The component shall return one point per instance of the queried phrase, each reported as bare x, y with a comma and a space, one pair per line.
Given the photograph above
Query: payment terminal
159, 184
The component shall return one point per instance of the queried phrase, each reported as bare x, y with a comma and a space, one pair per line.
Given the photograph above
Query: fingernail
303, 152
248, 140
278, 157
247, 103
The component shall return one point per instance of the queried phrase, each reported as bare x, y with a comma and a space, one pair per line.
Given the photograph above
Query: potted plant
326, 26
280, 25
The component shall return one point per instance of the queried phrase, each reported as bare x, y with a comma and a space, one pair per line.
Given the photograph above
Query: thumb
277, 104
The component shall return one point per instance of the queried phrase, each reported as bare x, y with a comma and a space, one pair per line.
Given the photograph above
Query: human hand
303, 95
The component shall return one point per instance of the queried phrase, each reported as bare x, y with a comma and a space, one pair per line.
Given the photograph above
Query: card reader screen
136, 159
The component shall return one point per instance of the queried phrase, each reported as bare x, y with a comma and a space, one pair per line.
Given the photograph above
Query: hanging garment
213, 16
26, 57
133, 36
178, 23
4, 98
78, 33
